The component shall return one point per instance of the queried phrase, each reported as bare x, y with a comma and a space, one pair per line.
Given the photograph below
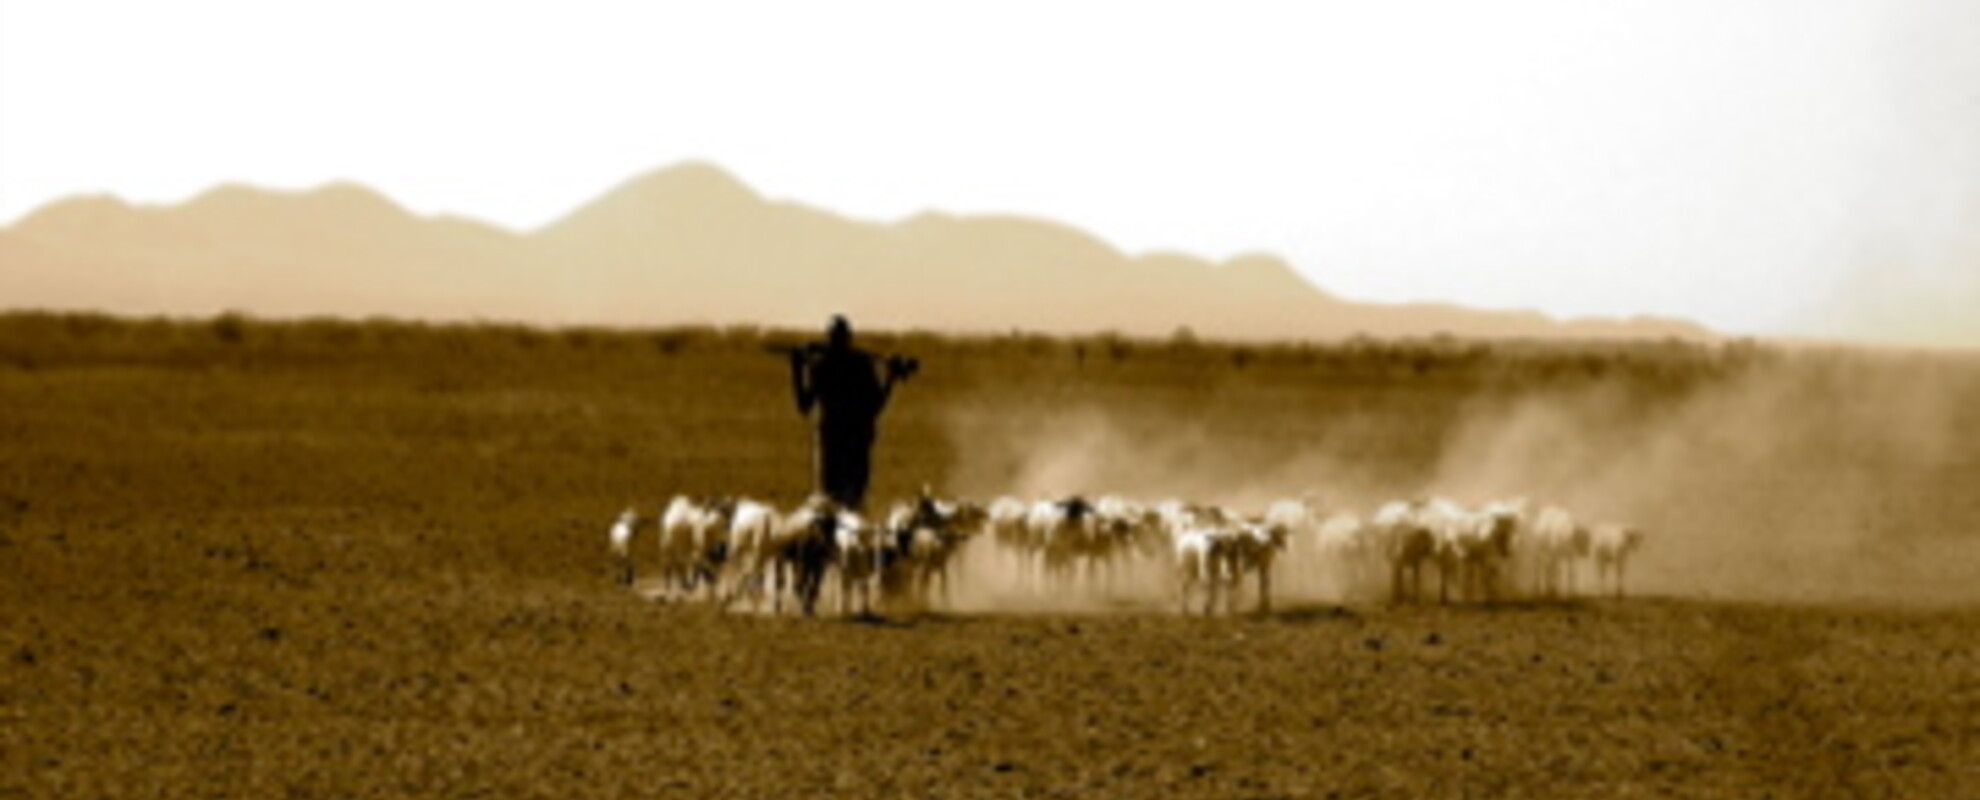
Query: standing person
848, 387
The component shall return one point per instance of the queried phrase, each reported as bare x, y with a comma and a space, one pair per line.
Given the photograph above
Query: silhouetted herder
850, 388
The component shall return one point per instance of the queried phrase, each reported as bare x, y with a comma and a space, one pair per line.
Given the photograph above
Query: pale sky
1736, 162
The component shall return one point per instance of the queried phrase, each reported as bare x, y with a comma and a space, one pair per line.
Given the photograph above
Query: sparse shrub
527, 338
88, 324
230, 327
671, 341
1115, 345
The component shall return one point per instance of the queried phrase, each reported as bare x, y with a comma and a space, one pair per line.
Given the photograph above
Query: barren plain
341, 560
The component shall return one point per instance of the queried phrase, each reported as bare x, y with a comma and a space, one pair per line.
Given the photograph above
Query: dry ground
338, 561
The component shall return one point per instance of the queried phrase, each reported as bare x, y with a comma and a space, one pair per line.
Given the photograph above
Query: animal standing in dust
1609, 546
923, 537
1408, 535
786, 556
693, 543
1557, 542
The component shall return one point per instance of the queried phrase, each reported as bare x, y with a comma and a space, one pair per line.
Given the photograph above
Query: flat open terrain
331, 560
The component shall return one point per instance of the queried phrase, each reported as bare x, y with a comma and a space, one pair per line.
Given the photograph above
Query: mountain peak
74, 213
1266, 271
350, 195
686, 188
340, 200
691, 182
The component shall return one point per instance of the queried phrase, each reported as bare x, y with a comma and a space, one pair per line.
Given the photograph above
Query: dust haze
1805, 476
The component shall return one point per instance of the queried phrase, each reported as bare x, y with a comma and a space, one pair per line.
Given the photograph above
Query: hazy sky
1739, 163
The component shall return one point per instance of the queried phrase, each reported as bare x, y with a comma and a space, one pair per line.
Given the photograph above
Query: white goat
1412, 534
1609, 546
1555, 543
1406, 544
1119, 514
1342, 549
1064, 532
1214, 549
1197, 568
923, 537
753, 534
860, 551
621, 537
1479, 547
1250, 547
1006, 518
693, 541
804, 546
1124, 530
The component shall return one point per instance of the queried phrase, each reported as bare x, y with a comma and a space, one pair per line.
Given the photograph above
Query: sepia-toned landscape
340, 559
1427, 399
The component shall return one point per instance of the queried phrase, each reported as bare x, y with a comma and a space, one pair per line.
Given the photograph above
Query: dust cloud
1809, 476
1824, 476
1089, 451
1036, 450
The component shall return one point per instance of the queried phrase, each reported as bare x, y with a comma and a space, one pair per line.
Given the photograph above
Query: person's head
840, 334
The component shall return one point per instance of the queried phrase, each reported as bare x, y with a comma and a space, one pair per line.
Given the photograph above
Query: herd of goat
728, 551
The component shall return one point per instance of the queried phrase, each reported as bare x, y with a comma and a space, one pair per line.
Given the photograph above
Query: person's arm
891, 373
886, 391
801, 388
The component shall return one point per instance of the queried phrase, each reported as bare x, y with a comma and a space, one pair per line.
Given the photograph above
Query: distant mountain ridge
685, 244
